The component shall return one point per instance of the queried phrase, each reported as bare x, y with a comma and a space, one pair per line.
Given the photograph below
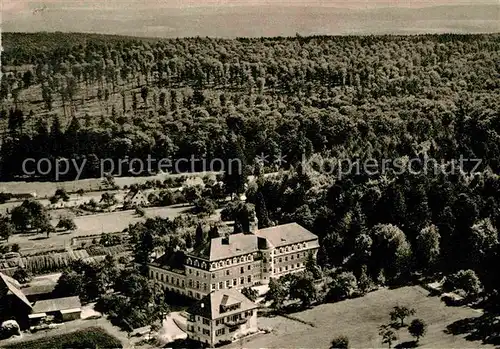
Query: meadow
359, 319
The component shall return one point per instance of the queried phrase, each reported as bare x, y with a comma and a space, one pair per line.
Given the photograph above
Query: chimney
254, 224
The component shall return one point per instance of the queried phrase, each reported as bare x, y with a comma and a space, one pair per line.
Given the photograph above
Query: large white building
221, 317
236, 261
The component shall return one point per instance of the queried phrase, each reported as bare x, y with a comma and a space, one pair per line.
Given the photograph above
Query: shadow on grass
39, 238
409, 344
485, 328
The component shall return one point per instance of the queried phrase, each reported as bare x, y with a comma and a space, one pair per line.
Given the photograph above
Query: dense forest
358, 98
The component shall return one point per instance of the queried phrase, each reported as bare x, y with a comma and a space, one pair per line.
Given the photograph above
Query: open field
47, 189
359, 319
96, 224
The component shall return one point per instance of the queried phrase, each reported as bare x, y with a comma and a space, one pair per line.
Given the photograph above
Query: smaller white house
222, 317
135, 198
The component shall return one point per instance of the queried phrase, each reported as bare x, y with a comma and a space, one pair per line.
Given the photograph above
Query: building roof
173, 262
133, 193
14, 288
210, 306
286, 234
217, 249
51, 305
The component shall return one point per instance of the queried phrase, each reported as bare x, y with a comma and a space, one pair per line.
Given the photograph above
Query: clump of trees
388, 332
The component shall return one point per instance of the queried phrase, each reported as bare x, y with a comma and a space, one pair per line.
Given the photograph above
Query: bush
140, 211
204, 206
9, 328
341, 342
466, 280
66, 223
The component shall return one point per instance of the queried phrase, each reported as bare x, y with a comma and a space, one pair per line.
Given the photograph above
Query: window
220, 332
242, 280
249, 267
291, 257
286, 259
182, 283
197, 273
213, 287
249, 278
281, 260
205, 287
221, 285
196, 263
228, 272
286, 267
206, 322
265, 270
197, 284
242, 270
190, 294
206, 332
235, 282
204, 275
204, 265
213, 275
228, 283
190, 271
190, 283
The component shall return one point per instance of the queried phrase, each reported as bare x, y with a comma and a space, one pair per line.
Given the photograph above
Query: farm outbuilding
62, 309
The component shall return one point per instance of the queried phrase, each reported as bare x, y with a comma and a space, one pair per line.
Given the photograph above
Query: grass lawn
359, 320
88, 338
97, 224
47, 189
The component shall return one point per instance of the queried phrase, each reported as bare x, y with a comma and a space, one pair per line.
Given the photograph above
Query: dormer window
203, 265
221, 264
189, 261
196, 264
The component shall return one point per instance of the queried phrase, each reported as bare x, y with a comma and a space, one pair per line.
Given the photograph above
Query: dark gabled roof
174, 262
209, 306
216, 249
286, 234
14, 288
51, 305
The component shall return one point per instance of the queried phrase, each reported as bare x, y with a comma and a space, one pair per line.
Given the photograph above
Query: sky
220, 18
13, 7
